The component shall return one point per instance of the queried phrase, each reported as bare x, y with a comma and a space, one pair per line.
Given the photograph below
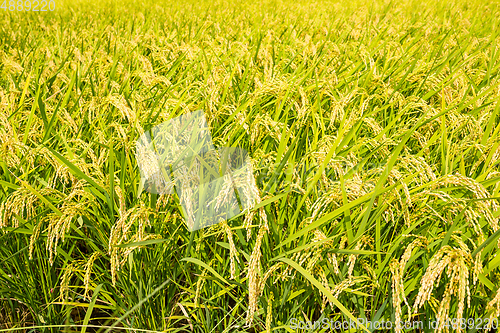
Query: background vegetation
374, 135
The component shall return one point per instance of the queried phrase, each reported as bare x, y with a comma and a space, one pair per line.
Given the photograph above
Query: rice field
373, 134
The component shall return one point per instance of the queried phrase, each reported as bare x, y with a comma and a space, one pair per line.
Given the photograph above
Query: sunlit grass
374, 136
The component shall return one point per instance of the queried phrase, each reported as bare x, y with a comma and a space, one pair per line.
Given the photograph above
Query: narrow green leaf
325, 292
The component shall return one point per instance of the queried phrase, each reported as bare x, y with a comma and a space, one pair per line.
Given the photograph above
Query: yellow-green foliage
373, 130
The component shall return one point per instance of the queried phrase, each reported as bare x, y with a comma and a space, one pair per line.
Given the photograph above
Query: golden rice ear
253, 276
269, 310
346, 283
397, 274
88, 270
397, 292
154, 177
493, 308
119, 102
65, 281
233, 252
326, 285
365, 240
121, 233
199, 285
3, 222
34, 237
10, 65
268, 274
457, 262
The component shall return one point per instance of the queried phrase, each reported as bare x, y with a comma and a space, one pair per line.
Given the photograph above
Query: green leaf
202, 264
91, 307
325, 292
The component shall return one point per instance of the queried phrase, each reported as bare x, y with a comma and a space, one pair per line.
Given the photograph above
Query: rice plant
372, 131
